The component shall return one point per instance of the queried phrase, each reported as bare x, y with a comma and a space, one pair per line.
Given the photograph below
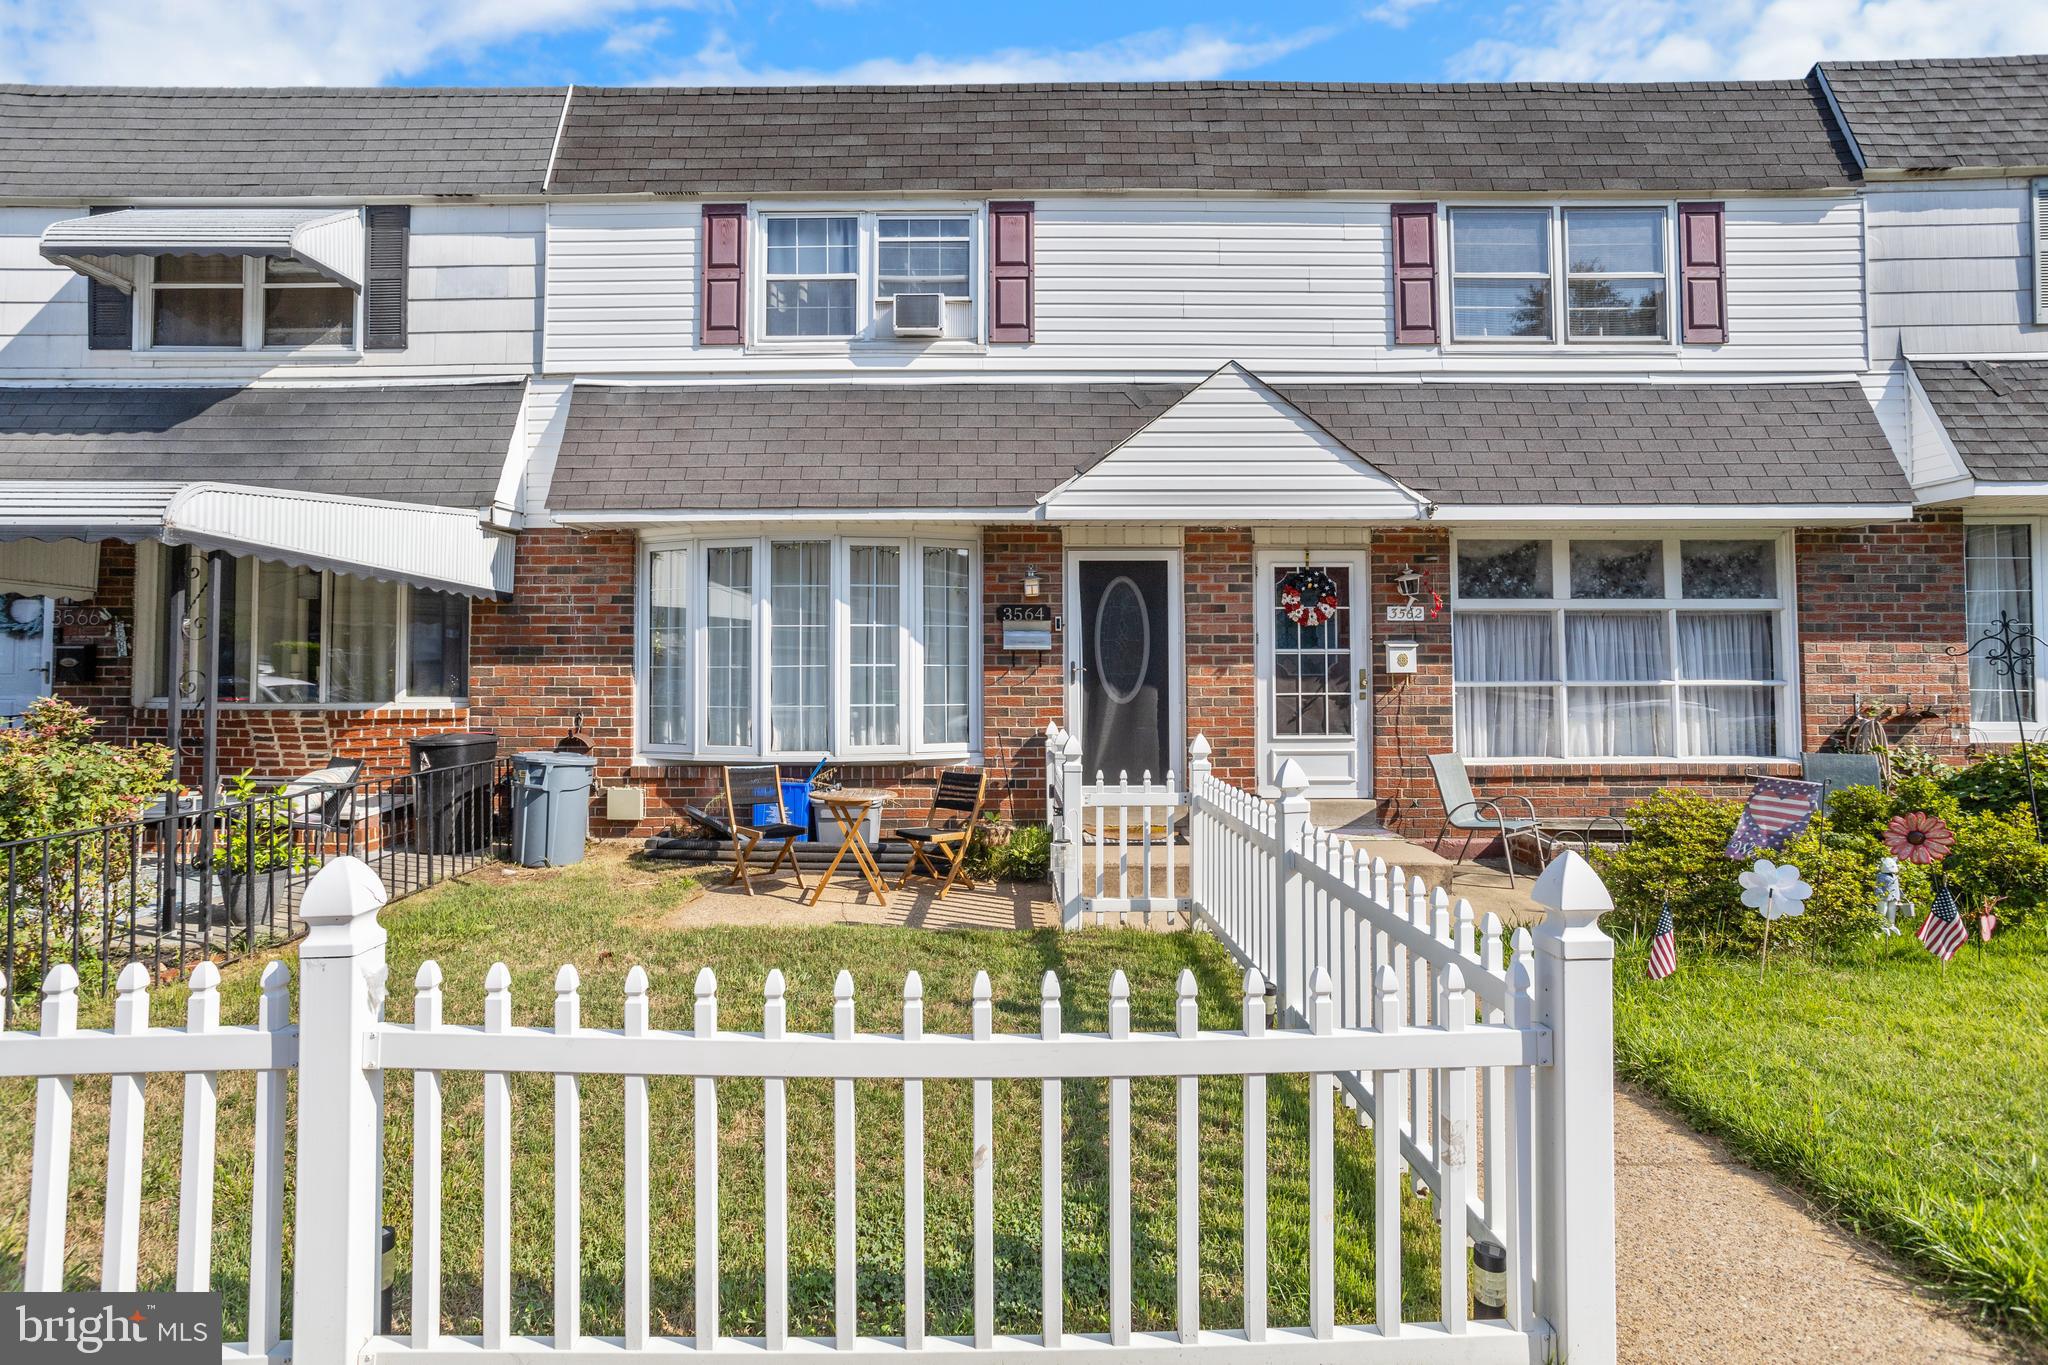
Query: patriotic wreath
1919, 837
1309, 597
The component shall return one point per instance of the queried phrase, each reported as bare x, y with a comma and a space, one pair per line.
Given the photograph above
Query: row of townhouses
1641, 433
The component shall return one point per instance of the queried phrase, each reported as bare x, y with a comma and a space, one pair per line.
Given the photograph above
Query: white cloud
628, 39
1193, 53
1596, 40
1395, 13
272, 42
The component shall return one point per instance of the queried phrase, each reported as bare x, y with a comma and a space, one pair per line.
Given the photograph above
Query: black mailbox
78, 663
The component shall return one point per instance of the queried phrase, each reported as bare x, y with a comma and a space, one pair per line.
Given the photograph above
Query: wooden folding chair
949, 828
746, 789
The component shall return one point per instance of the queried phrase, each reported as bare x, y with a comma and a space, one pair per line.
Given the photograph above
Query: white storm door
1314, 689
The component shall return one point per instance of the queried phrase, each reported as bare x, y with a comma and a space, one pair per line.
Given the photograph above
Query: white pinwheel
1774, 890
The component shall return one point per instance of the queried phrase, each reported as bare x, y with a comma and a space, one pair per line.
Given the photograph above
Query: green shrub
1009, 853
1998, 781
1677, 850
54, 776
1999, 864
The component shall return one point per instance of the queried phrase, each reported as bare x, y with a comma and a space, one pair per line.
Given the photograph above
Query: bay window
1619, 648
808, 645
292, 636
1998, 581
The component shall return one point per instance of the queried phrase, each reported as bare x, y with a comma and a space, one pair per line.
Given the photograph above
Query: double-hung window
806, 645
812, 274
1673, 648
208, 302
1998, 582
293, 636
1511, 266
922, 255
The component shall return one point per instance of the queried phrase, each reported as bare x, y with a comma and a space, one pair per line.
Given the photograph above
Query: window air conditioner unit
919, 315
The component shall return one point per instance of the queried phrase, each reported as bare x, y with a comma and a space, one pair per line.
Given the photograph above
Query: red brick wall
1219, 568
1879, 607
1021, 692
1411, 712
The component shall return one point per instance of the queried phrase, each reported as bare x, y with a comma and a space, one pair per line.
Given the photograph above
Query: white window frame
910, 692
1560, 337
2005, 731
1669, 605
867, 304
967, 277
253, 286
152, 564
861, 313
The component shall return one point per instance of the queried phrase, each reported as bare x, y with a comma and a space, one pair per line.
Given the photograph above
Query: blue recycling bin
796, 801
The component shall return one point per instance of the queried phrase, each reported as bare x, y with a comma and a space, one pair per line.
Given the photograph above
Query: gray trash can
550, 807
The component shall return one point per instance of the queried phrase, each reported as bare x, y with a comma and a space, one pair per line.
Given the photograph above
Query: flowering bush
54, 776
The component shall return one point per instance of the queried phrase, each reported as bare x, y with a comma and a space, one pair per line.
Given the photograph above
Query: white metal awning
446, 548
105, 246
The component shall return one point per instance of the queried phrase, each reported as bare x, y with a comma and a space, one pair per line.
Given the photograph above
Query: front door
24, 652
1315, 681
1123, 663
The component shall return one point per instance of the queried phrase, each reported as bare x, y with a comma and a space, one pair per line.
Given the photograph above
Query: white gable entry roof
1232, 448
104, 246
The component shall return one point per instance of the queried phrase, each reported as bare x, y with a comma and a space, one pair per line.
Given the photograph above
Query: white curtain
1505, 647
362, 654
1616, 647
946, 624
875, 587
1737, 645
1999, 579
668, 646
729, 646
1724, 721
800, 646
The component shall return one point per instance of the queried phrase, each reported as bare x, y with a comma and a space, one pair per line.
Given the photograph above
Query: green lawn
1910, 1098
606, 916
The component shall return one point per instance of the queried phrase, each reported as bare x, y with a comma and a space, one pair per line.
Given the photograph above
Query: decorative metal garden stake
2010, 648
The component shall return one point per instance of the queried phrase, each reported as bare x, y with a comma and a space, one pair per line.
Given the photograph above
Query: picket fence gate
1526, 1047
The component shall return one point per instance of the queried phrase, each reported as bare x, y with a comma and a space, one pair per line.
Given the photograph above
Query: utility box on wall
625, 803
1401, 656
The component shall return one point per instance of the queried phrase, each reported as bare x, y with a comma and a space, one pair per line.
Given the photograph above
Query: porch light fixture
1031, 582
1408, 583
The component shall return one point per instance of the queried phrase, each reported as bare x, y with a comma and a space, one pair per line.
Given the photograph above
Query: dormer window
197, 301
1609, 268
836, 276
241, 303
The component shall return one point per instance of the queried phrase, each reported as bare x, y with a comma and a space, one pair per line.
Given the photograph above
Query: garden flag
1778, 810
1942, 931
1664, 946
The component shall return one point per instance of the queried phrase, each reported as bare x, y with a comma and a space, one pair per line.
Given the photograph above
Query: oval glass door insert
1123, 639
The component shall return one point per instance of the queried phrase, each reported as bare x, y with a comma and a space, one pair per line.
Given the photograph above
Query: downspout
209, 759
174, 670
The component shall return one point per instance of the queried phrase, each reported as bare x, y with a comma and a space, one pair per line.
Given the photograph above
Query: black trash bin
453, 775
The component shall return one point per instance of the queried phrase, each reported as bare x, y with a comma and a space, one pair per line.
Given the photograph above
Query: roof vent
919, 315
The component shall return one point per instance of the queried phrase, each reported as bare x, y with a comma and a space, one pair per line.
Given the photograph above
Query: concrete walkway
1719, 1263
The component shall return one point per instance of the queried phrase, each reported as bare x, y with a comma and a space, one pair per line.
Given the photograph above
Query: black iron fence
191, 881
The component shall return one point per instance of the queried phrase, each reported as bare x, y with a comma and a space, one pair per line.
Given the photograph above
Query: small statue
1891, 895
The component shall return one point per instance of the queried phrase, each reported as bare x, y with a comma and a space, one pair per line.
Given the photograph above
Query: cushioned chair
938, 848
748, 791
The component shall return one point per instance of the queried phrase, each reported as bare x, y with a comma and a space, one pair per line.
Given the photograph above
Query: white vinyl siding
1952, 271
474, 304
1232, 448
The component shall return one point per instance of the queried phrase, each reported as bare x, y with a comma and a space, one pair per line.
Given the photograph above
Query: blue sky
470, 42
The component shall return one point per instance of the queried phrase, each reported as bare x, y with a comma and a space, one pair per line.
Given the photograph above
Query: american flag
1942, 931
1778, 810
1664, 946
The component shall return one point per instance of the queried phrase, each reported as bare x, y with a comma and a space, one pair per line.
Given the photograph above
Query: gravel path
1720, 1263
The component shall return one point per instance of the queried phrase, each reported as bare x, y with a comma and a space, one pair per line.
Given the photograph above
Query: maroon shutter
722, 309
1415, 275
1703, 272
1010, 316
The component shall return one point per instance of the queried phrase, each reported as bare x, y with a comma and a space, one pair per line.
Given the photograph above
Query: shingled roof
440, 445
90, 142
1996, 413
1945, 114
721, 447
1616, 445
988, 447
1209, 136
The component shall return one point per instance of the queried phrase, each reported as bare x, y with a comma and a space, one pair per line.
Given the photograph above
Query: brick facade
1879, 607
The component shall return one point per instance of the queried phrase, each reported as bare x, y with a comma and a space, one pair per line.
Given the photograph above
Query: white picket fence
1447, 1037
1295, 903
